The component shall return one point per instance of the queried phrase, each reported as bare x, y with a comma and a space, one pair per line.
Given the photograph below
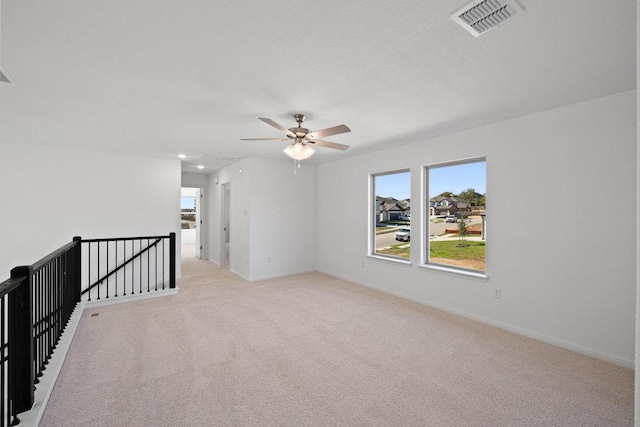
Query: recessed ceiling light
182, 156
200, 167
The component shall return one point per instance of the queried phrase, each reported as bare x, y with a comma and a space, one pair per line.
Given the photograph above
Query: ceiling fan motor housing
300, 132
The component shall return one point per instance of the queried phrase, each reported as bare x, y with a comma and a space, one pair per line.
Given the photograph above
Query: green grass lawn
449, 249
443, 249
402, 250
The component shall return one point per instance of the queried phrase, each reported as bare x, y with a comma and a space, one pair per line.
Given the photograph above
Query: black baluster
4, 409
99, 284
155, 271
163, 255
148, 266
38, 278
133, 267
116, 295
140, 266
124, 270
107, 271
89, 270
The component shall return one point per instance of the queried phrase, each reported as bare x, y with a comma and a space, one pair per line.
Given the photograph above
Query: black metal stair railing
36, 305
16, 394
128, 265
37, 302
55, 294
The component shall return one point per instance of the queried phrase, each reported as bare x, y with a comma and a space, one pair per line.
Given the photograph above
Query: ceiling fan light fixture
299, 151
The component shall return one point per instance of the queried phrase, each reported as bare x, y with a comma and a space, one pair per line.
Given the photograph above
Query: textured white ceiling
160, 77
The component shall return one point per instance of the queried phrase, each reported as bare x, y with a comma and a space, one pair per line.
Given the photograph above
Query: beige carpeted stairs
314, 350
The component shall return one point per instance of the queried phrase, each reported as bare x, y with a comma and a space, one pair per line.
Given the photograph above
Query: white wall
637, 356
273, 216
48, 195
237, 177
194, 180
561, 215
283, 218
188, 237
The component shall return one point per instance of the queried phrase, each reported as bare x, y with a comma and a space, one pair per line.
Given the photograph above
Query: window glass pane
392, 214
457, 220
188, 212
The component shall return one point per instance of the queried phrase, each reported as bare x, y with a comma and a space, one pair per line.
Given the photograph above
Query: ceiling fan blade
277, 126
329, 131
328, 144
264, 139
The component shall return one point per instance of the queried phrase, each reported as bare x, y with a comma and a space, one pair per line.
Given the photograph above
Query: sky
455, 178
187, 202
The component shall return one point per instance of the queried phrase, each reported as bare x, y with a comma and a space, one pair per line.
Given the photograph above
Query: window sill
392, 260
452, 271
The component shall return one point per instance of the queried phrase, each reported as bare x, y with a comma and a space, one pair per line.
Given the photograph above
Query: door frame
225, 223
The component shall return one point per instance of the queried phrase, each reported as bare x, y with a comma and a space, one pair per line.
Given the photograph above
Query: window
391, 214
188, 212
456, 231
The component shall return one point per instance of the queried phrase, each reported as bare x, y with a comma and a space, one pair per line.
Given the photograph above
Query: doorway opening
191, 222
225, 226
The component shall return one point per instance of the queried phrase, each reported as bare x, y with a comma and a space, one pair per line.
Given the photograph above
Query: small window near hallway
188, 212
456, 232
391, 214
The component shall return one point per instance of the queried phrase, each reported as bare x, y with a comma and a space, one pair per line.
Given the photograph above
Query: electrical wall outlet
497, 293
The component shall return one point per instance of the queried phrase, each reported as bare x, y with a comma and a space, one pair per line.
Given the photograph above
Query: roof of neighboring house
441, 198
391, 204
392, 207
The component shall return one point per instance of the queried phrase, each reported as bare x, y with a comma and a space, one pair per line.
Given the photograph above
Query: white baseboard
130, 298
540, 337
277, 276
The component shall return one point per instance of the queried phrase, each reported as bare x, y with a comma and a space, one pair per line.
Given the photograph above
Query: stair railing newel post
172, 260
22, 348
76, 286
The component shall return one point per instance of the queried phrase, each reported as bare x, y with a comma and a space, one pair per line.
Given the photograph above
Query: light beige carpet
318, 351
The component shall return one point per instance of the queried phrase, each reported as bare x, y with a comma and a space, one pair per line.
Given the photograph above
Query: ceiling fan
299, 148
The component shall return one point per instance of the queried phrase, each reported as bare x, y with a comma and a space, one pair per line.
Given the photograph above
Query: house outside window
456, 227
390, 224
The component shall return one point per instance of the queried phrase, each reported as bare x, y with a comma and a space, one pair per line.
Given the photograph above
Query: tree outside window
456, 235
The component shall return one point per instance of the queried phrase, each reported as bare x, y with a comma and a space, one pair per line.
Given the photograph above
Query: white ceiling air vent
478, 17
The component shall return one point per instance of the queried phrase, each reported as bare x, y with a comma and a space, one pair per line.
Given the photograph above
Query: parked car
451, 218
404, 217
403, 235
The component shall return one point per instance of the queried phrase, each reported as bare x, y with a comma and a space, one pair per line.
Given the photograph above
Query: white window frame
426, 226
371, 223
